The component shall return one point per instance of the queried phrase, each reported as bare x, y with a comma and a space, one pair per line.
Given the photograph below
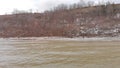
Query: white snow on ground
66, 39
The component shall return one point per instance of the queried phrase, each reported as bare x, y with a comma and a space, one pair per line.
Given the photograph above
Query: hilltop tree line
104, 7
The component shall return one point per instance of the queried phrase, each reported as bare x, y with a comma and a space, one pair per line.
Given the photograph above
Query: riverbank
66, 39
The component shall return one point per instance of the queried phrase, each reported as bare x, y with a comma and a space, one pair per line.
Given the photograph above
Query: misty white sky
7, 6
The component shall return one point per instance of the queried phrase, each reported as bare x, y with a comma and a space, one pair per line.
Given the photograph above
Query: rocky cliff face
101, 21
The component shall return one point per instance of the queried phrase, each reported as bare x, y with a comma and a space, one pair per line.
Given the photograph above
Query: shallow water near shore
42, 53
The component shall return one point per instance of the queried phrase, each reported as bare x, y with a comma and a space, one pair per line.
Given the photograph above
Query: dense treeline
77, 20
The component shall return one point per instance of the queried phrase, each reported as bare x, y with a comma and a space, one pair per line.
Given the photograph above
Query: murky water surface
58, 54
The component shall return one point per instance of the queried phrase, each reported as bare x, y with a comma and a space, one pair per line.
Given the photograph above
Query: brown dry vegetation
102, 20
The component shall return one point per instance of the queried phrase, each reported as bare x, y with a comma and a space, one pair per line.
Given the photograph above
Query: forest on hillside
77, 20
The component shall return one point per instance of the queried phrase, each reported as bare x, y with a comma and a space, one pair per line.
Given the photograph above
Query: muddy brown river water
30, 53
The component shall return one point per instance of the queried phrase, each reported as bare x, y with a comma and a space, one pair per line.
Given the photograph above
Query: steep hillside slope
101, 21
